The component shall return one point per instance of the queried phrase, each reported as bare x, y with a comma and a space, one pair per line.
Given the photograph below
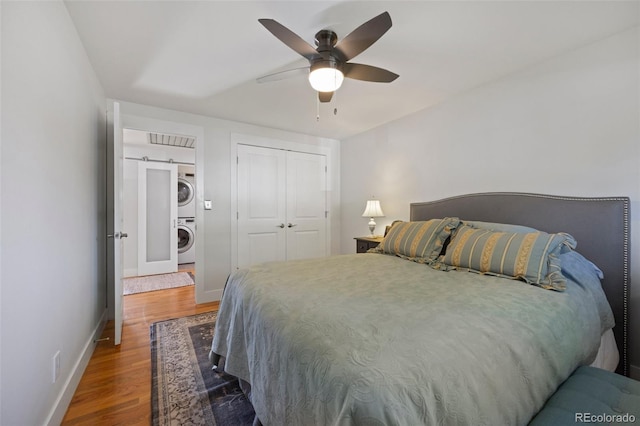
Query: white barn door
157, 218
281, 205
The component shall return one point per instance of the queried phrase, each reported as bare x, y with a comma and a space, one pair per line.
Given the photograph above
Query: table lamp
372, 210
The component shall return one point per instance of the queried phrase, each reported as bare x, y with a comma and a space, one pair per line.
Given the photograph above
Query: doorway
117, 123
159, 193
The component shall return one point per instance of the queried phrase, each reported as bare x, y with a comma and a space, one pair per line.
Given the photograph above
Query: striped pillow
532, 256
418, 241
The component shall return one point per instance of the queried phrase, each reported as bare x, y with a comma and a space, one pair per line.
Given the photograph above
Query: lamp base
372, 226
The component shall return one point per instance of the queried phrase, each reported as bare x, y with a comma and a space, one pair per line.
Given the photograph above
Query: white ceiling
203, 57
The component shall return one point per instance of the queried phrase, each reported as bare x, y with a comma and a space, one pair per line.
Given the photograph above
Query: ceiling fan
329, 62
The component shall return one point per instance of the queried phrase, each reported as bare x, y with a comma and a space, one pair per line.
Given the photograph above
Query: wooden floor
116, 386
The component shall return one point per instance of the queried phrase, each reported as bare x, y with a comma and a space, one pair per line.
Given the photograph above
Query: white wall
53, 210
568, 126
214, 168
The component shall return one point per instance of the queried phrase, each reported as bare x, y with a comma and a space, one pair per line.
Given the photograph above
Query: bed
402, 339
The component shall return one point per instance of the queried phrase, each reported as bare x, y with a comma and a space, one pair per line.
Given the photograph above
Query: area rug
135, 285
184, 388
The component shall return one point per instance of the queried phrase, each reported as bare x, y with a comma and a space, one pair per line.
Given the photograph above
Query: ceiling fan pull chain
317, 108
335, 99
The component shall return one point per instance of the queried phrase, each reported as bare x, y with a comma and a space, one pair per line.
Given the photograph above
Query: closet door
157, 218
281, 205
306, 205
261, 205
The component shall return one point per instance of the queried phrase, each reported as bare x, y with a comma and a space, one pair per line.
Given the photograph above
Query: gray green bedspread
372, 339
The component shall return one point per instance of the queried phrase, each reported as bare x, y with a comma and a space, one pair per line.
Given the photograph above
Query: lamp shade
373, 209
326, 79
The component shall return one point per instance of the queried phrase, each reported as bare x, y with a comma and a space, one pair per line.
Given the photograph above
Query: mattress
608, 355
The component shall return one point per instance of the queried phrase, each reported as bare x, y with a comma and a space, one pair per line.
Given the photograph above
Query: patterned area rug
184, 388
135, 285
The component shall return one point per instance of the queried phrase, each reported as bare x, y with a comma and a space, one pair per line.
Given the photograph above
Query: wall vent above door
171, 140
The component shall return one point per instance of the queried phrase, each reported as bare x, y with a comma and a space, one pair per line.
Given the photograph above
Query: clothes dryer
186, 240
186, 192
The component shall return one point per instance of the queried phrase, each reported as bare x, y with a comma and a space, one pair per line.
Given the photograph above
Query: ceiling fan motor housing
326, 39
328, 62
328, 57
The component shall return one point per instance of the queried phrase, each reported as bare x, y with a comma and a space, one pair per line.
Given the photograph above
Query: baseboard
66, 394
634, 372
130, 272
208, 296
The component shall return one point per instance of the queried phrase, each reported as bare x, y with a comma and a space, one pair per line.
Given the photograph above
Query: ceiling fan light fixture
326, 79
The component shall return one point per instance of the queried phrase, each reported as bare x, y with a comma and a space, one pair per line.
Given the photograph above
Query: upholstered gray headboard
599, 225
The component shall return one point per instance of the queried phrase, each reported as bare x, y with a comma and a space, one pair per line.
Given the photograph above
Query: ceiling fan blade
281, 75
369, 73
325, 96
364, 36
289, 38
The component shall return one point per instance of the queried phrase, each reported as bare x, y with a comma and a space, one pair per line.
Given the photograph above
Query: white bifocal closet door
261, 205
306, 205
157, 218
281, 205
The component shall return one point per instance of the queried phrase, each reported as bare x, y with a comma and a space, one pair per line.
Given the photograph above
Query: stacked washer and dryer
186, 215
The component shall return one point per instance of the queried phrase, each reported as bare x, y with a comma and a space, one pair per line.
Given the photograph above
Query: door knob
281, 225
118, 235
291, 225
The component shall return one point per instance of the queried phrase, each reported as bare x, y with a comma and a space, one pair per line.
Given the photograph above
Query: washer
186, 192
186, 240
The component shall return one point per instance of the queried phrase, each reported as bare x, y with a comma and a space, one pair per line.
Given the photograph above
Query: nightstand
365, 243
